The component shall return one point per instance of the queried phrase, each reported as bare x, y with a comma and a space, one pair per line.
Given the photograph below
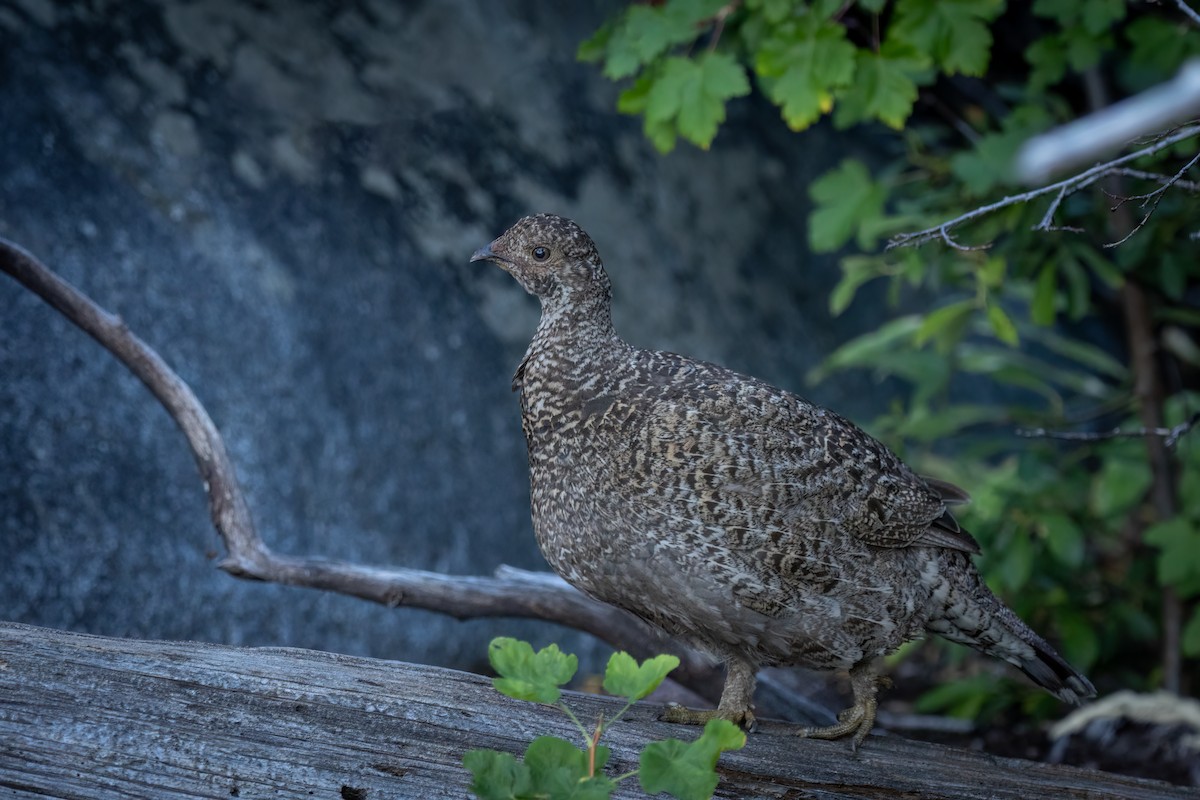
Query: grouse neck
576, 331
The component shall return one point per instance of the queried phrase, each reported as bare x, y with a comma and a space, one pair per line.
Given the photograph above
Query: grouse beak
483, 254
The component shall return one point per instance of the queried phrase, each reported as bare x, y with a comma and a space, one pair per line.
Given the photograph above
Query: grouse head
551, 257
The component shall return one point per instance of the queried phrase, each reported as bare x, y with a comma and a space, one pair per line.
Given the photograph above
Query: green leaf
1016, 563
923, 424
1080, 643
953, 32
946, 324
845, 197
496, 775
867, 350
1091, 17
643, 34
1045, 296
1048, 58
624, 677
802, 65
962, 699
1064, 538
888, 351
1083, 353
990, 163
595, 46
1178, 540
884, 87
688, 771
691, 93
1120, 484
558, 769
1101, 265
635, 99
856, 270
1002, 326
1159, 48
774, 11
525, 675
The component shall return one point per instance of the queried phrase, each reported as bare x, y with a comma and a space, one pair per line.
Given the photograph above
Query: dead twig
509, 593
1153, 198
1170, 436
1061, 190
1188, 11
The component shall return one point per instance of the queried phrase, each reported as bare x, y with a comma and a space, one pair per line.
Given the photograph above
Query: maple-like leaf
802, 65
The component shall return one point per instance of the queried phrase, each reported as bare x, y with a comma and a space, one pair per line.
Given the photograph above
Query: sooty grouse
738, 516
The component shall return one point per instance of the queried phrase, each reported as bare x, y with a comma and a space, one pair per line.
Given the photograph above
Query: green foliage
849, 204
800, 66
1004, 337
525, 675
555, 769
624, 677
953, 32
686, 60
687, 770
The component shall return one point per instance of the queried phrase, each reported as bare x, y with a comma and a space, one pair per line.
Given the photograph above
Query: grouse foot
860, 717
735, 705
743, 718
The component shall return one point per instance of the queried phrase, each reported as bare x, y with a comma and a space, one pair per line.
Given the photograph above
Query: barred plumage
738, 516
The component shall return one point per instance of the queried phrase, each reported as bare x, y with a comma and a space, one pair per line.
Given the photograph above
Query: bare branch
1170, 436
1110, 128
1051, 210
1158, 177
1154, 198
1063, 187
510, 593
1188, 11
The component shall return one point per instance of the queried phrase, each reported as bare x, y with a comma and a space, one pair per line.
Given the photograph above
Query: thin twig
1170, 436
1158, 177
1188, 10
1156, 196
1069, 186
719, 22
1045, 225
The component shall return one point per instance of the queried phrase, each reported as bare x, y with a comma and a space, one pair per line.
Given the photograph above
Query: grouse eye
541, 253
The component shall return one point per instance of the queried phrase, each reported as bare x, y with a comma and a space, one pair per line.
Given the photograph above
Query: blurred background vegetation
1047, 333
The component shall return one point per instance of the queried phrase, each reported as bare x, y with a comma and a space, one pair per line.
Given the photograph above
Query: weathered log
92, 717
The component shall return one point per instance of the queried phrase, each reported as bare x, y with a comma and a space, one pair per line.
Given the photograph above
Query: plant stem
593, 744
587, 737
615, 717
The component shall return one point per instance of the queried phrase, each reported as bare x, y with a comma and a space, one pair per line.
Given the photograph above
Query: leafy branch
688, 58
555, 769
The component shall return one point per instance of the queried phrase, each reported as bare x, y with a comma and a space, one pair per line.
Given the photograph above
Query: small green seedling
555, 769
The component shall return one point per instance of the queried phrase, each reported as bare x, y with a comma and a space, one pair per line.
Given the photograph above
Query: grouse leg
860, 717
735, 704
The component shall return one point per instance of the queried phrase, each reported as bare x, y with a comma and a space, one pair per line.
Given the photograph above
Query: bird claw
682, 715
857, 720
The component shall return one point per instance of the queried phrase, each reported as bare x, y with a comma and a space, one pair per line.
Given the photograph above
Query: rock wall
281, 198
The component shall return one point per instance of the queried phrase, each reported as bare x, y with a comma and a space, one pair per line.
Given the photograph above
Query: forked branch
509, 593
1061, 190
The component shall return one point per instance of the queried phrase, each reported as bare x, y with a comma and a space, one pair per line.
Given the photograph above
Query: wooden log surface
95, 717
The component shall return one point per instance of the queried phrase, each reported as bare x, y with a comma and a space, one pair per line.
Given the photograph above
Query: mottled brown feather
737, 515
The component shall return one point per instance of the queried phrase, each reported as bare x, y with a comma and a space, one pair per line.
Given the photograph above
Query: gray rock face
281, 198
